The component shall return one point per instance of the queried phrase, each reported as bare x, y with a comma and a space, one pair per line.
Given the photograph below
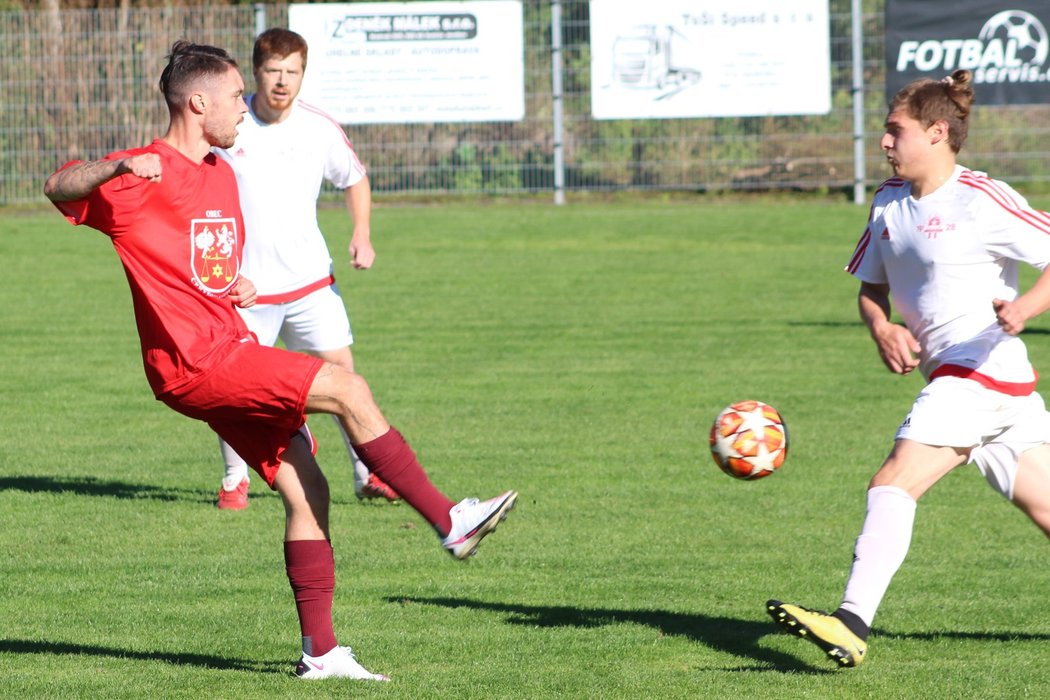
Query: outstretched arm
359, 203
897, 346
1012, 315
80, 180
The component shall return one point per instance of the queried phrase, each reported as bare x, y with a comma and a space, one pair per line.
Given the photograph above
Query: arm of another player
897, 346
1012, 315
79, 180
359, 203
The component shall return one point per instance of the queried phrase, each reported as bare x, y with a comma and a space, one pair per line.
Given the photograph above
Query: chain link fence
82, 83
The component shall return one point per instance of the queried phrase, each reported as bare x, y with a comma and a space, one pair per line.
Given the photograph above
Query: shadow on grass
737, 637
90, 486
969, 636
222, 663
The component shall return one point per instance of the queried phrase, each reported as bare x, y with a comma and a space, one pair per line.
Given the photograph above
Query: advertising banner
1004, 43
718, 58
414, 62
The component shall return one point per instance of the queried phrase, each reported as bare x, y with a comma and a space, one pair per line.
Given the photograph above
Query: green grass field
576, 354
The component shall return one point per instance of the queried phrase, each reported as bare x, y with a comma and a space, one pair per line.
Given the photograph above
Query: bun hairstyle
949, 100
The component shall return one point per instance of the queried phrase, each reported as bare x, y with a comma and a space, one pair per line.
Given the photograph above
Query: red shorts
255, 399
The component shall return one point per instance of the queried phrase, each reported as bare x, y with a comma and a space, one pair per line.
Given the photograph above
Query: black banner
1005, 44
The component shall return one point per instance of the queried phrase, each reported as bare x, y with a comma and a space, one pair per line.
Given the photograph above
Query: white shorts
954, 412
314, 323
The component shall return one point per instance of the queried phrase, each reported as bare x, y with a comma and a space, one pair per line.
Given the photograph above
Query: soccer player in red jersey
171, 210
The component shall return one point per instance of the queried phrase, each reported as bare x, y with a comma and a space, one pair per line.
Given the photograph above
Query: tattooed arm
80, 180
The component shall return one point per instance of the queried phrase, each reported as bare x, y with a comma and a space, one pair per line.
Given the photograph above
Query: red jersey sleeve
107, 208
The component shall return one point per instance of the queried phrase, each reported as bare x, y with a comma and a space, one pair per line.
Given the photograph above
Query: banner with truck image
664, 59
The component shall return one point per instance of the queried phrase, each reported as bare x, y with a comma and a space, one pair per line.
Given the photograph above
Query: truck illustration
643, 58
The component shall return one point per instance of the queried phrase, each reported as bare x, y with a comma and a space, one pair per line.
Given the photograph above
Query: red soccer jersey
180, 241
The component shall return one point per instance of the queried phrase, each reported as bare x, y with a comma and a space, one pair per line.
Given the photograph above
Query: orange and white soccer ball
749, 440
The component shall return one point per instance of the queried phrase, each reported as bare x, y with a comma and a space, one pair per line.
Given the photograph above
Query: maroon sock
393, 461
311, 571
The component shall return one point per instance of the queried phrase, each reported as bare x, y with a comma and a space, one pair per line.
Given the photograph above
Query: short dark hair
187, 64
277, 42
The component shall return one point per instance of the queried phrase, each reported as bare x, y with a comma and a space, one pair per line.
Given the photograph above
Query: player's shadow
737, 637
205, 661
91, 486
978, 636
124, 490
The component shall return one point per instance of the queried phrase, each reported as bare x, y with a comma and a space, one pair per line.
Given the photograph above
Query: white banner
416, 62
709, 58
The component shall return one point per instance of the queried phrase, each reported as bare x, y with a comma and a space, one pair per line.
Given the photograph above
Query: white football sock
360, 470
880, 549
236, 468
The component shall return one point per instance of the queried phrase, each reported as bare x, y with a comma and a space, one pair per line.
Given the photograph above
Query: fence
81, 83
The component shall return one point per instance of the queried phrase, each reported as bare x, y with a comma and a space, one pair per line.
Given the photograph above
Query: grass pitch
576, 354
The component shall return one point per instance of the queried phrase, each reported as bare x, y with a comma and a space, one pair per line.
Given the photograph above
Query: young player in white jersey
284, 152
943, 244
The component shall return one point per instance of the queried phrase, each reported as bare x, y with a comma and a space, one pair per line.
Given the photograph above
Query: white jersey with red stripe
280, 169
945, 257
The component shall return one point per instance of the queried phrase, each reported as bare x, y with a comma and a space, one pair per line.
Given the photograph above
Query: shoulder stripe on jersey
321, 113
1035, 219
865, 238
892, 182
982, 181
1002, 195
858, 254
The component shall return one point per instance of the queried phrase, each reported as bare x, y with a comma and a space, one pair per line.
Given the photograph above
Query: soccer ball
749, 440
1023, 29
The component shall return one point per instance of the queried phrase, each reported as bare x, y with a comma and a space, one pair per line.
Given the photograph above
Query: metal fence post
858, 103
260, 18
556, 101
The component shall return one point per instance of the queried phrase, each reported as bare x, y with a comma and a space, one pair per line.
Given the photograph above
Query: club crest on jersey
214, 254
934, 227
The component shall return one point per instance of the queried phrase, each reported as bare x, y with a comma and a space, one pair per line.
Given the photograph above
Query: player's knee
337, 390
352, 388
915, 467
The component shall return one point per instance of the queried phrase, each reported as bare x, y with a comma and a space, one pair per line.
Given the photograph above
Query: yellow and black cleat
826, 631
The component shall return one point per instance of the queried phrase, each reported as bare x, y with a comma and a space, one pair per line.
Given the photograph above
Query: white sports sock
236, 468
880, 549
360, 470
